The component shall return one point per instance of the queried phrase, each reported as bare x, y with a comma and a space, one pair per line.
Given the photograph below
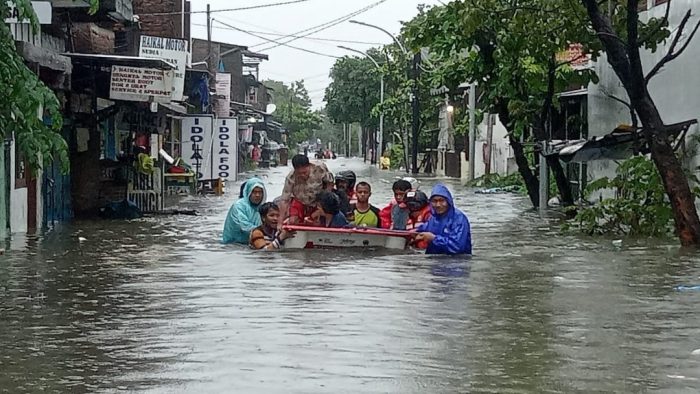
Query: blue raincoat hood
442, 191
243, 216
452, 230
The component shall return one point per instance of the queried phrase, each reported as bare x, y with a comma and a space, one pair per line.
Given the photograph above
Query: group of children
346, 204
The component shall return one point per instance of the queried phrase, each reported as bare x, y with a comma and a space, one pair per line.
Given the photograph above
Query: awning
574, 93
621, 144
175, 107
109, 60
44, 57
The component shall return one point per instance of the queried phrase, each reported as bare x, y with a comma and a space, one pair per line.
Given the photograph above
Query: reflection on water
159, 305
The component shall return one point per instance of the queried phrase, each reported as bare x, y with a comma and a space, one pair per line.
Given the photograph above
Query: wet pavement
158, 305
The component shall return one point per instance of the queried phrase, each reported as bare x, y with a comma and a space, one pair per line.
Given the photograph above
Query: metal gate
56, 195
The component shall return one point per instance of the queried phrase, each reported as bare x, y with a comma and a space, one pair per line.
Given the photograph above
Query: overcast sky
289, 64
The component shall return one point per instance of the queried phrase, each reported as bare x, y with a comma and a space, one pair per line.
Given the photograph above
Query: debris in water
617, 243
695, 352
82, 239
687, 288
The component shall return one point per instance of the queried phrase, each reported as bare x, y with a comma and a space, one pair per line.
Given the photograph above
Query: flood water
158, 305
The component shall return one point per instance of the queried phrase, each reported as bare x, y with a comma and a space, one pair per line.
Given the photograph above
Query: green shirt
370, 218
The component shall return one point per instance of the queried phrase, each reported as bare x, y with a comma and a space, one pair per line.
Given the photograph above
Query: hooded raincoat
452, 230
243, 217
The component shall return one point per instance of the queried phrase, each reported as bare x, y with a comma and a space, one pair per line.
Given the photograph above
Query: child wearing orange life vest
419, 208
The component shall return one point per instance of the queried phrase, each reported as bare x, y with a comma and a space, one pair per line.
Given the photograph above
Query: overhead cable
277, 42
251, 7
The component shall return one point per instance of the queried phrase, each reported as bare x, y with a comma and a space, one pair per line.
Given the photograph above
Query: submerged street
159, 305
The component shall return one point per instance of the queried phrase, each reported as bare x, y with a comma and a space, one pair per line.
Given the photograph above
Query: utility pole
210, 54
415, 104
472, 129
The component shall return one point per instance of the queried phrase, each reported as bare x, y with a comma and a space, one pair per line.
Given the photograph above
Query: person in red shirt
419, 208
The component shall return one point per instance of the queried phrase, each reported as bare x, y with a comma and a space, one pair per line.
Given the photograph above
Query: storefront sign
42, 9
225, 149
223, 93
171, 50
197, 144
140, 84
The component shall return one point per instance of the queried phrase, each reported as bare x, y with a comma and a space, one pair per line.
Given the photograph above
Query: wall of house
3, 196
675, 89
161, 25
500, 149
18, 199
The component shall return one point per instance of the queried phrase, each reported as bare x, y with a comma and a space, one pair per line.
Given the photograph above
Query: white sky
289, 64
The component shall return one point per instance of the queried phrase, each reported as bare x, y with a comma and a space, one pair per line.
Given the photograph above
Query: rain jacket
452, 231
243, 217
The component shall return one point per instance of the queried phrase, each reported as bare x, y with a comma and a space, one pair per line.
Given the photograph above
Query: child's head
270, 214
416, 200
328, 202
363, 191
345, 180
400, 188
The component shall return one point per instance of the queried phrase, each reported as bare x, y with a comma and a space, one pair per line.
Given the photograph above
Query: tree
354, 92
26, 99
623, 36
510, 47
294, 109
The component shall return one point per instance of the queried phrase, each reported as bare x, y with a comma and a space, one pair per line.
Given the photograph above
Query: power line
327, 25
277, 42
252, 7
292, 35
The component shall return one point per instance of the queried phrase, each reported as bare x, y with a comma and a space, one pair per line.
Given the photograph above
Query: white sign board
222, 103
225, 149
41, 8
197, 143
140, 84
171, 50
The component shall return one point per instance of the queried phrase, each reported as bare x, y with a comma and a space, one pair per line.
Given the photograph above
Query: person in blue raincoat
243, 216
447, 231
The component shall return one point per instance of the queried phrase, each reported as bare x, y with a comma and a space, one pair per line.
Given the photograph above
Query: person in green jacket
243, 216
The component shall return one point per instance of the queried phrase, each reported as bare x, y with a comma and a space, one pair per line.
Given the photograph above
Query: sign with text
223, 94
42, 9
197, 144
140, 84
225, 149
171, 50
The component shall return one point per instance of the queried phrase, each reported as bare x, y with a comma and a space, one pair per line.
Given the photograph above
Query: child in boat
395, 215
419, 208
364, 213
266, 236
328, 212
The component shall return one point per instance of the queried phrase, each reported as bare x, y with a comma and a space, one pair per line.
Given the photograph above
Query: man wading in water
298, 199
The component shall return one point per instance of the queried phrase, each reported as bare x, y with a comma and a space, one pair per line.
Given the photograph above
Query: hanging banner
222, 103
225, 149
140, 84
42, 9
197, 144
171, 50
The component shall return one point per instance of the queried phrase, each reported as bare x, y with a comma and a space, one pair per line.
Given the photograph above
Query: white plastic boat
321, 237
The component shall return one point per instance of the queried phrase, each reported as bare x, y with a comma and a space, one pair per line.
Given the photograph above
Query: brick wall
162, 25
90, 38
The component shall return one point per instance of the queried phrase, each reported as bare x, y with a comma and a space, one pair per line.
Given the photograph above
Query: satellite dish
271, 108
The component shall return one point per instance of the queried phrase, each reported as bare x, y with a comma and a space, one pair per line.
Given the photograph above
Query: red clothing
300, 211
424, 215
385, 214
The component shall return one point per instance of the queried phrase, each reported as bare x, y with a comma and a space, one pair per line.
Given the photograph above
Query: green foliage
639, 208
27, 101
396, 156
354, 91
294, 110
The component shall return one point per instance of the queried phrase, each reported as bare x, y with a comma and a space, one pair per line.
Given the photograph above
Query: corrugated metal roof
108, 60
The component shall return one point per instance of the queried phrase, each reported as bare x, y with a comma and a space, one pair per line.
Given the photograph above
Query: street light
403, 49
381, 98
413, 74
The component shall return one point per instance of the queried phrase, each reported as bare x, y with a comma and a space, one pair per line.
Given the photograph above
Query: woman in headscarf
243, 216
